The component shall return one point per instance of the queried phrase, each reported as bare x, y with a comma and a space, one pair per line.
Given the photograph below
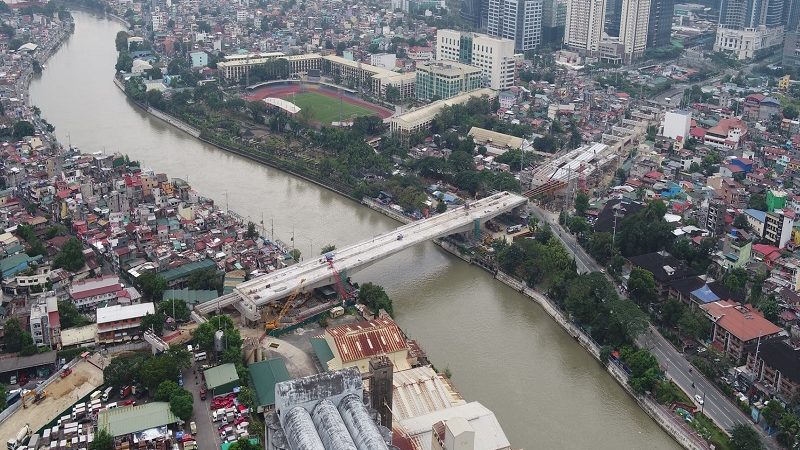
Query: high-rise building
519, 20
659, 27
584, 25
791, 42
747, 26
474, 12
613, 17
633, 28
493, 55
554, 16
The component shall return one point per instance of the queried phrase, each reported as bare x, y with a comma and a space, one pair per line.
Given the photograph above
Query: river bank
502, 350
667, 421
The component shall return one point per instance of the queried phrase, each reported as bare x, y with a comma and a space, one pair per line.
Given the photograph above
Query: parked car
193, 427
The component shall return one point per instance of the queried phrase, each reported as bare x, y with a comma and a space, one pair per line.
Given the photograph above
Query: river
501, 348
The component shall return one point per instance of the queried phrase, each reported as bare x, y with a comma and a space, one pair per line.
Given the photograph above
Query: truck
124, 391
107, 393
337, 311
19, 438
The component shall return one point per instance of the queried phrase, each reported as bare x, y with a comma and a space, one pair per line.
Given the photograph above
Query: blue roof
705, 295
756, 214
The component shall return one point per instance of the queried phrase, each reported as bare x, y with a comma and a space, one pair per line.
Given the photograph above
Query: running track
286, 91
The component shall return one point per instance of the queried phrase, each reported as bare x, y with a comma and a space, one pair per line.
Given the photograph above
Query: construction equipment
273, 324
339, 284
37, 397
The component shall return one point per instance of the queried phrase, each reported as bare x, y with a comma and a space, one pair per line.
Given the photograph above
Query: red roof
362, 340
744, 322
698, 132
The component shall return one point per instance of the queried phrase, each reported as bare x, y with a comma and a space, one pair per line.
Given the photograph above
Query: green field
325, 109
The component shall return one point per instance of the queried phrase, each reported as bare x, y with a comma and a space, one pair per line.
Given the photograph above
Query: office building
554, 16
584, 25
791, 42
474, 13
659, 27
45, 322
438, 80
518, 20
613, 17
748, 26
493, 55
633, 28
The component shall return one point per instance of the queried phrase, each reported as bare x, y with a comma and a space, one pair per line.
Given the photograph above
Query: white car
698, 399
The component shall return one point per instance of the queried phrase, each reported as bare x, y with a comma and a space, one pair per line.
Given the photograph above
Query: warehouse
222, 379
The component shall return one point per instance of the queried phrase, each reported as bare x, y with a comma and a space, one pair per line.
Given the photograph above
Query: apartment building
89, 293
775, 368
45, 322
633, 28
584, 25
736, 326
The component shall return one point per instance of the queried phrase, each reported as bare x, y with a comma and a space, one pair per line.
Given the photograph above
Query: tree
248, 398
181, 406
740, 221
209, 279
327, 248
153, 322
15, 338
599, 246
122, 370
251, 232
152, 285
735, 280
124, 62
789, 427
177, 309
581, 203
295, 254
645, 373
71, 256
694, 325
773, 412
744, 437
154, 98
375, 298
790, 112
158, 368
166, 389
203, 335
642, 287
178, 66
21, 129
103, 440
70, 317
770, 308
694, 168
121, 41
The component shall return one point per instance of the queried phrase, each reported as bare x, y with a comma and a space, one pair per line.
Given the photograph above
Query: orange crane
273, 324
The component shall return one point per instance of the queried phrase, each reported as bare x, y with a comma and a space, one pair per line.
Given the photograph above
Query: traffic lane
207, 432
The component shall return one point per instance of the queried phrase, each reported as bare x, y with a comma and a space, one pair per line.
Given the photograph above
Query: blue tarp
705, 295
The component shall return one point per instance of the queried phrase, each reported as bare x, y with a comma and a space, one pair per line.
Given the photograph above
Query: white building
493, 55
583, 29
45, 323
747, 26
633, 28
518, 20
677, 123
383, 60
120, 323
89, 293
744, 43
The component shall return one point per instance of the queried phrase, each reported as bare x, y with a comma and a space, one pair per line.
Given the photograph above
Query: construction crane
339, 284
273, 324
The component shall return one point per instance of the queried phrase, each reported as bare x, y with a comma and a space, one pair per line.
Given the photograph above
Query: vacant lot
61, 394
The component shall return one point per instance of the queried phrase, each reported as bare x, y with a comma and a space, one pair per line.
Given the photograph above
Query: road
207, 435
716, 405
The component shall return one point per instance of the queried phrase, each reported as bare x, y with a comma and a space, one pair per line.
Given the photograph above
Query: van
193, 427
189, 348
218, 414
111, 405
200, 356
96, 395
107, 393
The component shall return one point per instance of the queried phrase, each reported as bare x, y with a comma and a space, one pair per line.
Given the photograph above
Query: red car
203, 393
128, 402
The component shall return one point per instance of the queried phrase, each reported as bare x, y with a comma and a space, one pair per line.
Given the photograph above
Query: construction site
590, 166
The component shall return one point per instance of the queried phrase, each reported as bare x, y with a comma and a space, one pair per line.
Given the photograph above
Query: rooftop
362, 340
130, 419
781, 356
14, 362
665, 267
221, 375
120, 312
489, 435
742, 321
482, 135
263, 377
187, 269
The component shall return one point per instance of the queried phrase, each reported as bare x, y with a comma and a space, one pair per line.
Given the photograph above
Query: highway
270, 287
716, 405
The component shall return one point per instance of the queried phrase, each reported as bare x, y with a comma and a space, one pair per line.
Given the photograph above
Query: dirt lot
61, 394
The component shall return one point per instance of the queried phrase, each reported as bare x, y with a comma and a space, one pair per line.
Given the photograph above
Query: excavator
273, 324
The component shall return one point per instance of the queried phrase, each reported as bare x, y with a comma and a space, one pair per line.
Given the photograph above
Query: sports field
326, 109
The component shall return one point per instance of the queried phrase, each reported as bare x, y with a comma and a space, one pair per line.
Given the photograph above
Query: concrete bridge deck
314, 272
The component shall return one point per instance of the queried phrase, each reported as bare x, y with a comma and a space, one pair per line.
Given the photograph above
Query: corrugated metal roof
221, 375
322, 349
119, 312
421, 391
362, 340
264, 375
130, 419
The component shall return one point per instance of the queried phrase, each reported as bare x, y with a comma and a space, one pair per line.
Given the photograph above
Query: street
716, 405
207, 436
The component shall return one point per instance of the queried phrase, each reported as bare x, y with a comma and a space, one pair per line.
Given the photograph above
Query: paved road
717, 406
207, 436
